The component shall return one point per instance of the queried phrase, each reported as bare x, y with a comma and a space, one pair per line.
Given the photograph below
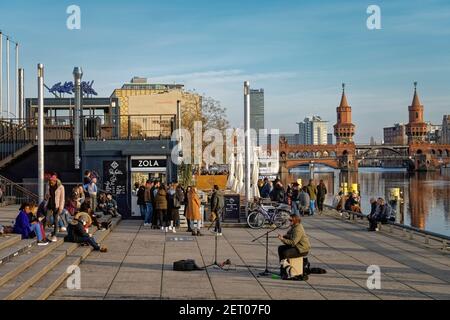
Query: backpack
308, 270
185, 265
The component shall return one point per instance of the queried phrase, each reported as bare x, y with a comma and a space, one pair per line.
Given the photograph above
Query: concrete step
25, 260
18, 285
15, 249
57, 274
8, 240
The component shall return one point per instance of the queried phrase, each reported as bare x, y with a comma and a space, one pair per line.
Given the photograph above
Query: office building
445, 134
313, 130
395, 135
257, 110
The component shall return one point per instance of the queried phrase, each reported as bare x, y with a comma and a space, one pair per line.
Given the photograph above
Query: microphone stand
266, 271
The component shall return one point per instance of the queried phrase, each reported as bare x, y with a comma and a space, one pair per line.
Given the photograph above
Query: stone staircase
32, 272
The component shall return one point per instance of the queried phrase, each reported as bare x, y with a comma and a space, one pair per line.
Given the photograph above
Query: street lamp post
247, 143
77, 75
41, 145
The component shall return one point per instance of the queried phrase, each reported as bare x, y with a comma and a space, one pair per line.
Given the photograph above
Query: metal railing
14, 137
129, 127
407, 231
108, 127
13, 193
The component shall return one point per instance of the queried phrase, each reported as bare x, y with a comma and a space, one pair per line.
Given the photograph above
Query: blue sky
298, 51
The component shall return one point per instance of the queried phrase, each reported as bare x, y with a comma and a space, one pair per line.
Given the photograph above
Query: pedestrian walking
217, 205
312, 192
321, 194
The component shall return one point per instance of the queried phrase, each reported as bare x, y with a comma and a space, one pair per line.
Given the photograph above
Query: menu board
232, 206
115, 177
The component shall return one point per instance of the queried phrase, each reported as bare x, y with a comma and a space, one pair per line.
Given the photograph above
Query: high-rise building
416, 129
395, 135
329, 138
445, 134
344, 129
257, 110
313, 130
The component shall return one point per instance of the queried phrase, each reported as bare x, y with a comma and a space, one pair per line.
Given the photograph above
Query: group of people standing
303, 200
160, 206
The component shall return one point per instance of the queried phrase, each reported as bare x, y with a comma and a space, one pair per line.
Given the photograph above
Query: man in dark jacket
141, 200
277, 194
153, 190
217, 204
77, 234
266, 189
148, 200
321, 193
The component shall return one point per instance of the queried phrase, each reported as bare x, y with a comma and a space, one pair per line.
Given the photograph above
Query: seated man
76, 233
111, 205
296, 243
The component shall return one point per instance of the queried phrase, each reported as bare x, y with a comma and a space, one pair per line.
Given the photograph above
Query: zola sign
148, 163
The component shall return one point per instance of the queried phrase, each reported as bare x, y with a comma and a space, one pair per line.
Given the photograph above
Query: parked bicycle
262, 214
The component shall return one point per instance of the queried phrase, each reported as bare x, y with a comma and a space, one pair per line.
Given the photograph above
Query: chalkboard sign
115, 177
232, 206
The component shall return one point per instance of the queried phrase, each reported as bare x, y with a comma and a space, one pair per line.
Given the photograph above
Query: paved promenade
139, 266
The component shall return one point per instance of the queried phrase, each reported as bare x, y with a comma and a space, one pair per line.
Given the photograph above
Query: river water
425, 196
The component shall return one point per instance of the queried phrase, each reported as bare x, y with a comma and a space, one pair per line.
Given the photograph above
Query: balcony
107, 127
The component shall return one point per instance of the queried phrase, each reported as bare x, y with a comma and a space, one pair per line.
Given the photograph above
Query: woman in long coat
193, 211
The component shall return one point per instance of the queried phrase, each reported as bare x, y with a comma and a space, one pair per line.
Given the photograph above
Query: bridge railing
408, 232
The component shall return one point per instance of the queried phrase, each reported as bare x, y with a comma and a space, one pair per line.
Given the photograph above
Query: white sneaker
42, 243
162, 228
167, 229
145, 224
170, 228
54, 239
174, 231
376, 229
63, 229
219, 234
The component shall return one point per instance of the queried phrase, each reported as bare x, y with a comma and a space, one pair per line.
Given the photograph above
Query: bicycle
262, 214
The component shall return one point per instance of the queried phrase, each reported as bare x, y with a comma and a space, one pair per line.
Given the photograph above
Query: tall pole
16, 91
8, 97
41, 145
1, 73
21, 94
77, 75
247, 143
179, 135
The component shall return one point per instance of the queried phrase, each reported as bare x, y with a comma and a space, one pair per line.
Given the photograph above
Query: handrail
15, 190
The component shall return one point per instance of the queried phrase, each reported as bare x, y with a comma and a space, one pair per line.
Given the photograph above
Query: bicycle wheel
255, 220
281, 219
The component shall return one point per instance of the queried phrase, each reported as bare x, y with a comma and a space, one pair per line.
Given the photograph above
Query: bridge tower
416, 129
344, 129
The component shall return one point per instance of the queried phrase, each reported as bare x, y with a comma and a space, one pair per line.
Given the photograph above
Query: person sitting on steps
76, 233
